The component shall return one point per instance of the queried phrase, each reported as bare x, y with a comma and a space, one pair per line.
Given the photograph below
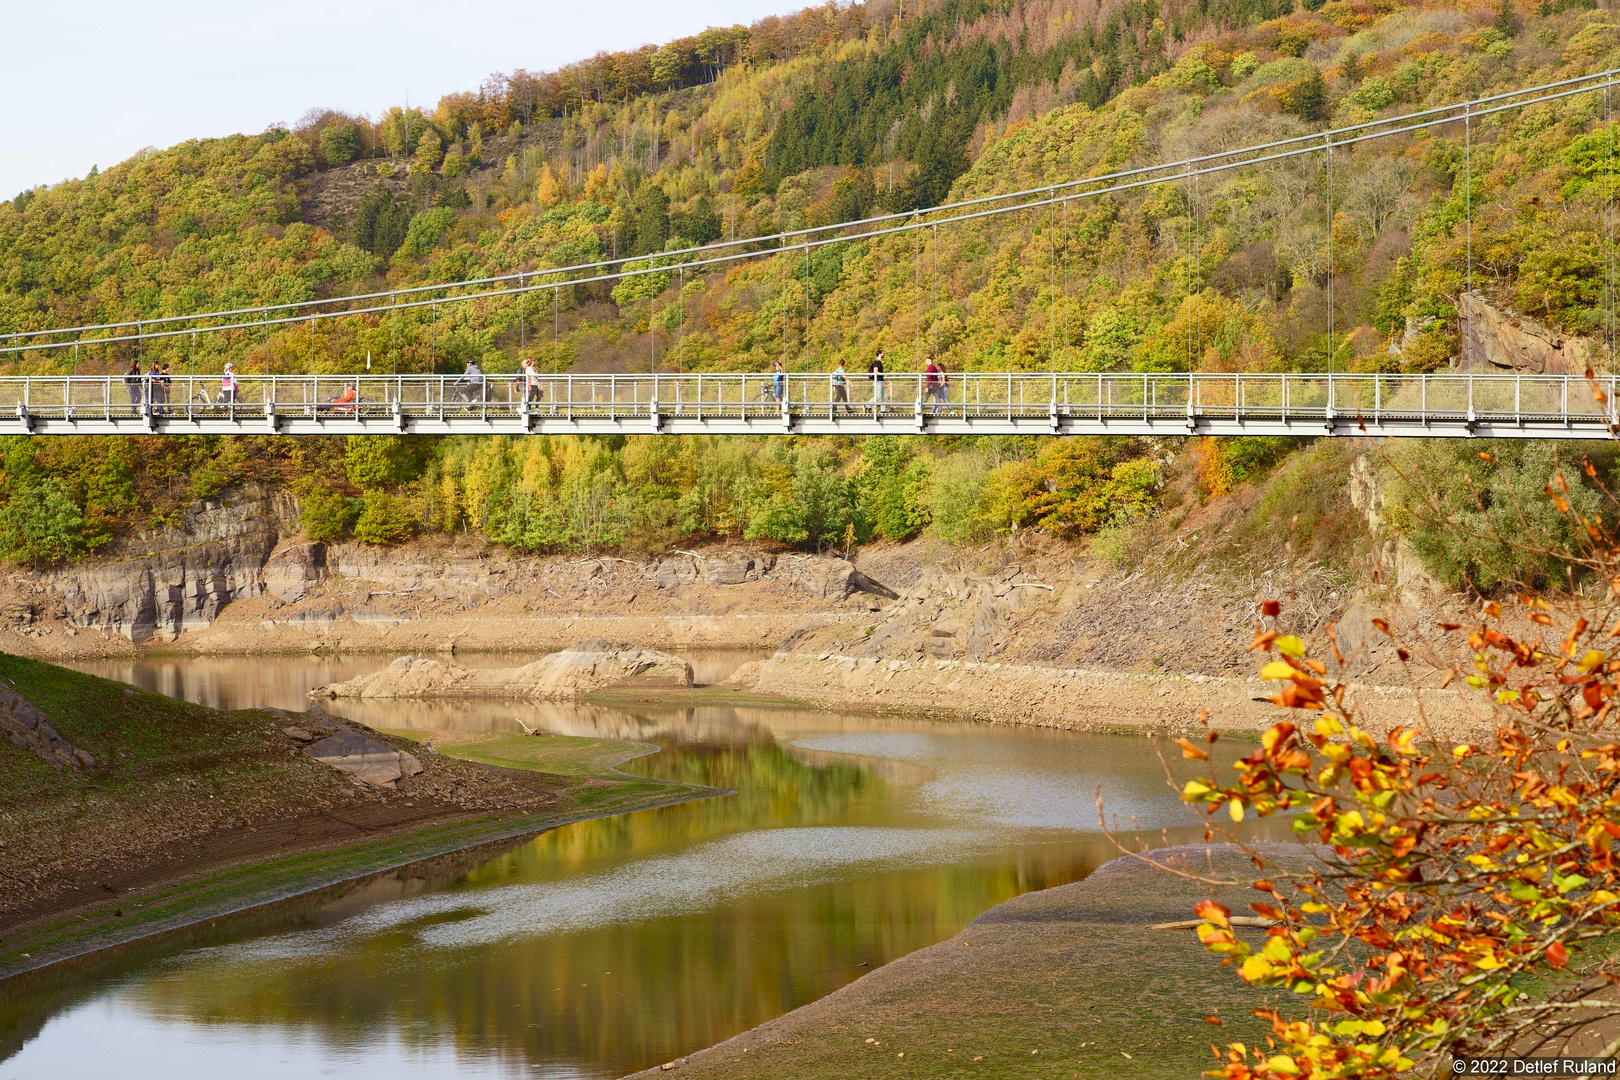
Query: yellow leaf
1591, 662
1373, 1028
1235, 808
1277, 670
1289, 645
1254, 968
1327, 725
1283, 1065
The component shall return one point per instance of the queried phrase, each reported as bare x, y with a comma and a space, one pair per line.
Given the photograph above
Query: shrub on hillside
1305, 503
1073, 487
323, 513
955, 497
384, 519
41, 524
1482, 519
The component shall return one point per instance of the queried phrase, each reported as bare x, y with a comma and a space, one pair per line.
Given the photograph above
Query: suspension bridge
1201, 403
1447, 404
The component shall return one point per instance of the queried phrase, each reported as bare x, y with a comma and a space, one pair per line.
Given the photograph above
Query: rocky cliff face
1495, 341
164, 582
239, 567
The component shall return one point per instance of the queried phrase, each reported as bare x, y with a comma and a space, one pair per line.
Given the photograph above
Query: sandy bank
582, 668
1078, 699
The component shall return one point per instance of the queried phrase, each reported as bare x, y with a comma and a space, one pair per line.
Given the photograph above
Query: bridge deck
1425, 406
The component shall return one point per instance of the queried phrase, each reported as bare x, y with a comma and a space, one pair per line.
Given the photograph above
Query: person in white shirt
528, 381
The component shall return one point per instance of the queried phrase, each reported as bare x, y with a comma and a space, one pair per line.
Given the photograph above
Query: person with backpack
936, 383
840, 389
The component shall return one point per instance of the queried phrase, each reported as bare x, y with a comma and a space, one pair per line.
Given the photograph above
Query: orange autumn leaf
1191, 752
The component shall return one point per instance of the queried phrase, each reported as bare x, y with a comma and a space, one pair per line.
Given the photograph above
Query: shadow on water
605, 946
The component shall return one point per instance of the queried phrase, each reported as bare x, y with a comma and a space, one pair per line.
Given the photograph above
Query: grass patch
135, 736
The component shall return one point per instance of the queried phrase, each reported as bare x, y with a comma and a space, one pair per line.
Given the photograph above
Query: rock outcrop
24, 724
1494, 341
294, 570
1397, 562
583, 668
164, 582
359, 755
246, 544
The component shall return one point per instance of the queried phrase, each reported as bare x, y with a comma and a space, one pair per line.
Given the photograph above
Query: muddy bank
1065, 982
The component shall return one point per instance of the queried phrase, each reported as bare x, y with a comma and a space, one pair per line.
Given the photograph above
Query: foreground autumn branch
1470, 894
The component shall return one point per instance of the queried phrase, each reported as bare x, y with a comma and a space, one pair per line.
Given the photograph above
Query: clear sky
98, 80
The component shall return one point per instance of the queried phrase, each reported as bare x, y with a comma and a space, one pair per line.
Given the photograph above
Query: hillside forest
828, 116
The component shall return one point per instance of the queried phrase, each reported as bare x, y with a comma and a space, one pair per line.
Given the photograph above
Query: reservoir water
606, 946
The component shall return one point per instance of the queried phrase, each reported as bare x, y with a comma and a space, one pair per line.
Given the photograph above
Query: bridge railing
760, 396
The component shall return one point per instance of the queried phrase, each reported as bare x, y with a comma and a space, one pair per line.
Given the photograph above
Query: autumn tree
1470, 889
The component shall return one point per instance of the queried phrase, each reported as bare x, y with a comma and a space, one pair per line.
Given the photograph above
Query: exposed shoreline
1080, 699
1061, 981
290, 879
247, 869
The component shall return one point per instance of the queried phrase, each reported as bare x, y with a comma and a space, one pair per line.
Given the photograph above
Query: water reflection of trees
677, 983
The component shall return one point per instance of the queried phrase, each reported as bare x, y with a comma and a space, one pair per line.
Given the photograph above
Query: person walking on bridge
840, 389
934, 385
528, 380
227, 385
778, 381
878, 387
132, 384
